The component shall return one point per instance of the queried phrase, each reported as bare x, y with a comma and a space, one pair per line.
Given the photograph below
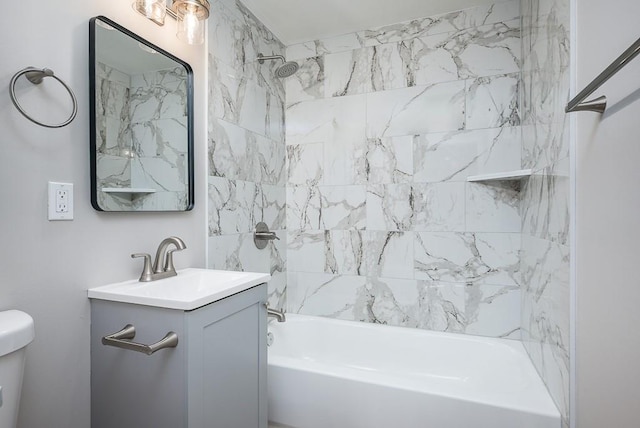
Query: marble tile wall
113, 139
246, 146
545, 205
382, 129
142, 143
159, 147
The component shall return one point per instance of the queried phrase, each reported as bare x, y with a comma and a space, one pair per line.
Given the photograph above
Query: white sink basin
191, 289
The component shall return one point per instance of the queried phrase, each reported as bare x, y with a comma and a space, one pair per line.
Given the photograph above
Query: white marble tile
453, 156
345, 162
439, 206
171, 136
545, 144
227, 36
442, 306
343, 207
305, 251
328, 295
492, 102
236, 252
410, 29
224, 85
114, 75
234, 206
490, 50
240, 100
277, 291
453, 21
545, 257
417, 110
272, 206
111, 170
274, 120
340, 43
493, 311
309, 81
345, 252
389, 160
253, 108
365, 70
347, 73
545, 285
389, 254
481, 51
305, 164
545, 207
270, 161
480, 258
492, 208
303, 208
169, 201
332, 120
301, 51
159, 101
394, 301
389, 66
432, 59
232, 152
143, 138
159, 173
390, 207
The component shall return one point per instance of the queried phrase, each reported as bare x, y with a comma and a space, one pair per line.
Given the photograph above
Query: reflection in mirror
142, 123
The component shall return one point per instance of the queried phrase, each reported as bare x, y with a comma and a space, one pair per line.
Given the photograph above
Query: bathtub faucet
279, 315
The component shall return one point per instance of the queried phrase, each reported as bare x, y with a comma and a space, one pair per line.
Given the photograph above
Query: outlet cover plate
60, 205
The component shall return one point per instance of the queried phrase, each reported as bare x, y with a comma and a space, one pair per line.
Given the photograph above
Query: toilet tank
16, 332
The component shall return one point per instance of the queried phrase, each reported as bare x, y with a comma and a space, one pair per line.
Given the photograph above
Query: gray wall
46, 267
607, 226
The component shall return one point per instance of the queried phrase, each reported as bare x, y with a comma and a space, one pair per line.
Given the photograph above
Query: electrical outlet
60, 205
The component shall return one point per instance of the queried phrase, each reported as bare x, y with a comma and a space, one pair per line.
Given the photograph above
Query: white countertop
190, 289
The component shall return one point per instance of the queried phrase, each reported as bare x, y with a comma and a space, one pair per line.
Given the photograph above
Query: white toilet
16, 332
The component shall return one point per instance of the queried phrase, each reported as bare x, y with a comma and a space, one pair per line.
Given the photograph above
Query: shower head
288, 68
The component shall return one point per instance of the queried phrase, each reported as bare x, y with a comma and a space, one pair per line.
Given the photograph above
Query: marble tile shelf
518, 175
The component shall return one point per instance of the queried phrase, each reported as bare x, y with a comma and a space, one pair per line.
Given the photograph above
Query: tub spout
279, 315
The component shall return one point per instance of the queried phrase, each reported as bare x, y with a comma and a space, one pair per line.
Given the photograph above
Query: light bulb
190, 28
155, 10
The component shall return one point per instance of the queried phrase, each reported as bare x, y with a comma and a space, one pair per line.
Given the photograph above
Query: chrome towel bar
600, 104
119, 340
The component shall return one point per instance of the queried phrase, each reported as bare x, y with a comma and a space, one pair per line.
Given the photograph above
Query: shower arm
262, 58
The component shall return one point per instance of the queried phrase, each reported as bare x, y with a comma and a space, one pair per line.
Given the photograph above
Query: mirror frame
92, 113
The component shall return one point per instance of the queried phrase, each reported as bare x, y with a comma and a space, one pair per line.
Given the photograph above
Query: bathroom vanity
215, 376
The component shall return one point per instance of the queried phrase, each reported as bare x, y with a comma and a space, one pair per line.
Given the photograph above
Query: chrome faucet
279, 315
163, 265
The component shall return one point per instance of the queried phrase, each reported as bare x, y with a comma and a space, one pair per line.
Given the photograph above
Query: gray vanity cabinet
214, 378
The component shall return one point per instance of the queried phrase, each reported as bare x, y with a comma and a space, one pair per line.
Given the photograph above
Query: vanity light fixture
154, 10
190, 14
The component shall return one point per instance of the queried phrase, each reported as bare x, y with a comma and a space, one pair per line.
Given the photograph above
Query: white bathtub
326, 373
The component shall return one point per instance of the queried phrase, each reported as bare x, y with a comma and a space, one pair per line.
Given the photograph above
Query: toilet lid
16, 331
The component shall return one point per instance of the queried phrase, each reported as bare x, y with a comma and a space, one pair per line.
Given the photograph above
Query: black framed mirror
141, 123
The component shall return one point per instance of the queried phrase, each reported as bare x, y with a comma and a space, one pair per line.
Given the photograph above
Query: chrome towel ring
35, 76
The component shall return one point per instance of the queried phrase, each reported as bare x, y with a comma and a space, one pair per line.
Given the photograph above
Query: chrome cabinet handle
121, 338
